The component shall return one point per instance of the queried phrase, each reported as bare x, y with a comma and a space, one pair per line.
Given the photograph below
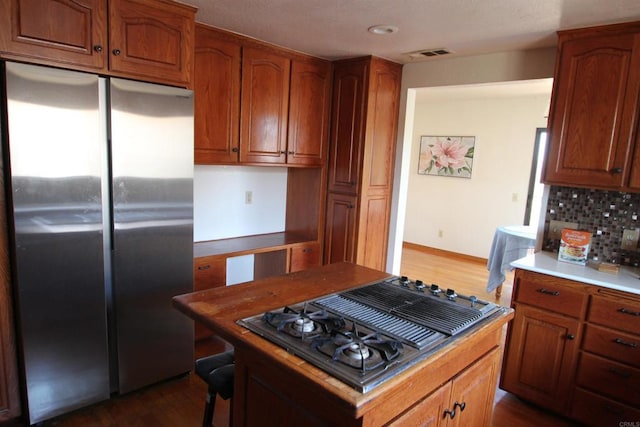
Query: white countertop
627, 279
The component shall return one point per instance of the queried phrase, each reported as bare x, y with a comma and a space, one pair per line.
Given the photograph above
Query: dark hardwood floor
180, 401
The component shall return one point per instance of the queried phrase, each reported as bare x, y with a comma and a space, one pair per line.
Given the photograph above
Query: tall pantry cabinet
364, 122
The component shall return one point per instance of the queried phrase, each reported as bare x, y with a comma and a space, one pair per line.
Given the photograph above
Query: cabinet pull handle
616, 170
626, 343
116, 52
571, 337
620, 372
450, 412
548, 292
204, 267
629, 312
283, 152
461, 405
235, 149
97, 48
292, 152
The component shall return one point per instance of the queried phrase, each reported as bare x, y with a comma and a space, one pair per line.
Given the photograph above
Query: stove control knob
473, 300
451, 294
419, 285
435, 289
404, 281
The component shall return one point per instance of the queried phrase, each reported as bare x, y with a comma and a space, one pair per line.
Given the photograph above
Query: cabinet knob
460, 405
116, 52
97, 48
204, 267
616, 170
450, 412
291, 152
571, 337
235, 149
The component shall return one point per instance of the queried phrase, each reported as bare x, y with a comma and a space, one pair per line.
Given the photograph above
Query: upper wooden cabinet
364, 122
257, 104
594, 109
216, 97
264, 106
63, 32
309, 103
144, 39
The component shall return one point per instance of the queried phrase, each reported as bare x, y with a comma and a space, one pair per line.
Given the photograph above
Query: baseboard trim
442, 252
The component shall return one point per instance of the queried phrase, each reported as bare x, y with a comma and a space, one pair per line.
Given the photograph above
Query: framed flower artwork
446, 155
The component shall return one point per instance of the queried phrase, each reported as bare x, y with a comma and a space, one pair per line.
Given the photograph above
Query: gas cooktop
368, 334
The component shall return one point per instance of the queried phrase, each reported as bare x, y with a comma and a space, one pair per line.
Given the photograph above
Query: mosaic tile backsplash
606, 214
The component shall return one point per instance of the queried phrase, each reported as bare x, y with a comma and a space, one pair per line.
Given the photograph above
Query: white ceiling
335, 29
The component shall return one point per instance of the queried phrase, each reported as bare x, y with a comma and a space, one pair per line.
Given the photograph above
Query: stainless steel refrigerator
101, 197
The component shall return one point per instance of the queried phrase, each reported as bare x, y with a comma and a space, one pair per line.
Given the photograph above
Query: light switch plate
555, 228
630, 239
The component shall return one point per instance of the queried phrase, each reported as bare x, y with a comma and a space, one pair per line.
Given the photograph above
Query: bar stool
217, 372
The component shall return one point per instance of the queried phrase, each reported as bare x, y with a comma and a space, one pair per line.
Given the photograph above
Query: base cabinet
574, 348
466, 400
541, 342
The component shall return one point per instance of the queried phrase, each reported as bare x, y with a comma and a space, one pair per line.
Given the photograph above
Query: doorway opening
536, 188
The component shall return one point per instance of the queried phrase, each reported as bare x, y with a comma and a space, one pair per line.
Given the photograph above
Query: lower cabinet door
541, 354
340, 229
427, 413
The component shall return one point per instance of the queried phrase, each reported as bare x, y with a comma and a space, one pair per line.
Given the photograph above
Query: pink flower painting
446, 155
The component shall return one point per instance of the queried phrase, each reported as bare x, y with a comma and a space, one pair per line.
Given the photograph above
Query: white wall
460, 214
220, 210
497, 67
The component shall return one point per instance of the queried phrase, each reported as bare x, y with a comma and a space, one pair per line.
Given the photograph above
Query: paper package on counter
574, 246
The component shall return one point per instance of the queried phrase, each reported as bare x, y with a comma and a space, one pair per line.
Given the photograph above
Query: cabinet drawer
548, 293
209, 272
303, 257
618, 313
620, 382
594, 410
613, 344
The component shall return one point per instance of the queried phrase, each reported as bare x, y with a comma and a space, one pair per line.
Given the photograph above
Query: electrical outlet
555, 229
248, 197
630, 239
440, 233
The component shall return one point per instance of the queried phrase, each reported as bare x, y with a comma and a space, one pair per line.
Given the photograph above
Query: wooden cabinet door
428, 412
347, 126
151, 39
592, 114
216, 98
264, 105
541, 354
340, 231
309, 113
57, 32
473, 392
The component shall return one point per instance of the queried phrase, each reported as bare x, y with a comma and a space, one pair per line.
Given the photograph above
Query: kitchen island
455, 382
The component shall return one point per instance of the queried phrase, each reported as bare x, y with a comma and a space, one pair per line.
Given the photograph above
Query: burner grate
433, 312
416, 335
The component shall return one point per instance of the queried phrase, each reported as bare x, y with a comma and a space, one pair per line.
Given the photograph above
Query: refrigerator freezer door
57, 142
152, 167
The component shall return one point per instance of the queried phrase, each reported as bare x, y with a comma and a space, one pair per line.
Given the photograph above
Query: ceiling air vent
428, 53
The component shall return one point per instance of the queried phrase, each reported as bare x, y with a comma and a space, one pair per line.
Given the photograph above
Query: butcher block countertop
220, 308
